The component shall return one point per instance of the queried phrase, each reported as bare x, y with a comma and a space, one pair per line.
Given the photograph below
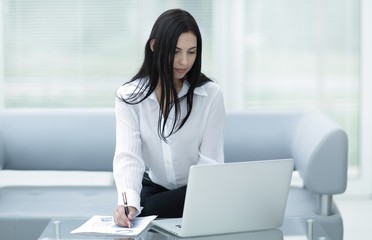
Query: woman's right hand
120, 217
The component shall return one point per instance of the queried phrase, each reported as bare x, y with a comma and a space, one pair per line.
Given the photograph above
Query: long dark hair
158, 66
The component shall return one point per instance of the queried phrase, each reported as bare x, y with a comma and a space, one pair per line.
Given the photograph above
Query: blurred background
267, 55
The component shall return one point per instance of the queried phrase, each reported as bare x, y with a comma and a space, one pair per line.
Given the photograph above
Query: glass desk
292, 229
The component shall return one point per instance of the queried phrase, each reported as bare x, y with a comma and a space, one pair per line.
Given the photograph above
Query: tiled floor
357, 216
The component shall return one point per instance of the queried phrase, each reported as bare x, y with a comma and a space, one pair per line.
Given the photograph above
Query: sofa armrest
320, 151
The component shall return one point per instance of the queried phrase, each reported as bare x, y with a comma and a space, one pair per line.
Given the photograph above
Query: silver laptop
270, 234
233, 197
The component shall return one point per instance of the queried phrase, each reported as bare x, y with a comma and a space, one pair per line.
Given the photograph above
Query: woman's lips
180, 70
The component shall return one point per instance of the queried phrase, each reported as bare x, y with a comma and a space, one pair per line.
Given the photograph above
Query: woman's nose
183, 59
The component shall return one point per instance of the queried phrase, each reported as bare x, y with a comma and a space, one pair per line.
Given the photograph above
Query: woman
168, 117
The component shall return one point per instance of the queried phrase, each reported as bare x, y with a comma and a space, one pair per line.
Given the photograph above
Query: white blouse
199, 141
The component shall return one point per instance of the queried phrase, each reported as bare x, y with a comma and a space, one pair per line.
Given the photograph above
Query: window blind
75, 53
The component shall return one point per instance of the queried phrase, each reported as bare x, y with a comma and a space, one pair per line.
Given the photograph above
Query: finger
127, 219
120, 218
131, 216
132, 213
117, 219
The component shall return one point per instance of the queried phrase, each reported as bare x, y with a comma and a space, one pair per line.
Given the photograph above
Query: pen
126, 209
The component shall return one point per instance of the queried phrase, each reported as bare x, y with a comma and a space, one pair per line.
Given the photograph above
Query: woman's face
185, 55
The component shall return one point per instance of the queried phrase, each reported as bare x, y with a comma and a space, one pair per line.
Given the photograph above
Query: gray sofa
84, 140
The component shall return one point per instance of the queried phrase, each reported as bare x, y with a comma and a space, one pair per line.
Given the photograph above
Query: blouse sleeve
128, 166
212, 145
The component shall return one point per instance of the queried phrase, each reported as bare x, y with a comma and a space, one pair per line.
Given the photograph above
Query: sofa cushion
58, 140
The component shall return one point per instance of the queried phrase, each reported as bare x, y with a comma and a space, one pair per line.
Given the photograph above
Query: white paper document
105, 225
